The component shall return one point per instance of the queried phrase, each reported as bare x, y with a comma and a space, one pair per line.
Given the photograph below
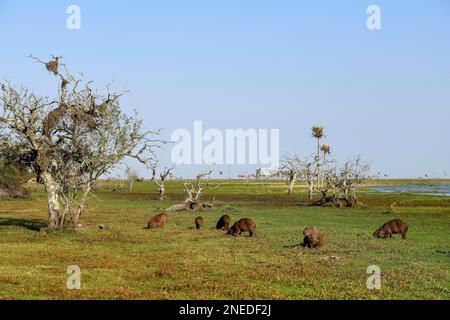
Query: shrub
12, 179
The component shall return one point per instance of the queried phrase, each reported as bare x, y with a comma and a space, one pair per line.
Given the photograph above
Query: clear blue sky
260, 64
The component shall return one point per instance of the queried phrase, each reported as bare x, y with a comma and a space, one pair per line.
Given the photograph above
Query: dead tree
342, 184
195, 190
163, 175
352, 175
70, 141
258, 174
132, 176
291, 169
309, 173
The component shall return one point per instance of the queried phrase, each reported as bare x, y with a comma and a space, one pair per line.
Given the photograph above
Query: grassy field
129, 262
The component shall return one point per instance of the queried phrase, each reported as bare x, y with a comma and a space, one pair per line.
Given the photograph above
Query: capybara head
243, 225
223, 223
232, 230
199, 222
379, 233
313, 237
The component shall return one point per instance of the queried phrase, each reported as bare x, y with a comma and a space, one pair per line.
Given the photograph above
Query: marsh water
442, 190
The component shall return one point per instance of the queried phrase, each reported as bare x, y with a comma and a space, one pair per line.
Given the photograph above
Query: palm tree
318, 133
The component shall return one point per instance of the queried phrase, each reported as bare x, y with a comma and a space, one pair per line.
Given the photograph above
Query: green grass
129, 262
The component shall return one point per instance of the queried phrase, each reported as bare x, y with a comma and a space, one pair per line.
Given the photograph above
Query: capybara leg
404, 236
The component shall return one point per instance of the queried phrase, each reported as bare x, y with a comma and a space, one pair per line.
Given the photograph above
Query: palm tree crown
318, 132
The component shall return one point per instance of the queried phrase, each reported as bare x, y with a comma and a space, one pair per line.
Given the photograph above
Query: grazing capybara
223, 223
158, 221
390, 228
313, 237
198, 223
242, 226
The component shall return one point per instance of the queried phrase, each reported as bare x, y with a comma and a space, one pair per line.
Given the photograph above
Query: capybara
223, 223
313, 237
390, 228
198, 223
242, 226
158, 221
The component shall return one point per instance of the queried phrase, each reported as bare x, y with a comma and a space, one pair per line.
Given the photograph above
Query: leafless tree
70, 141
258, 174
163, 175
291, 168
342, 184
309, 172
194, 190
352, 175
132, 176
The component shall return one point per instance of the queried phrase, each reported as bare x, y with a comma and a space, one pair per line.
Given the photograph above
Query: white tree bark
54, 208
292, 180
162, 192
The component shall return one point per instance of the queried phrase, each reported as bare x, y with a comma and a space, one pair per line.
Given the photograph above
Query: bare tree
258, 174
163, 175
132, 176
309, 173
342, 184
291, 168
352, 175
70, 141
194, 191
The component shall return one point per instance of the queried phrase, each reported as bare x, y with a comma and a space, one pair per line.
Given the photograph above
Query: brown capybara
158, 221
198, 223
223, 223
242, 226
313, 237
390, 228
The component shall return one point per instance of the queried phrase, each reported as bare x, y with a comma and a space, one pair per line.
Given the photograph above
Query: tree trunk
162, 193
324, 159
318, 162
54, 209
291, 185
130, 186
336, 201
82, 206
311, 191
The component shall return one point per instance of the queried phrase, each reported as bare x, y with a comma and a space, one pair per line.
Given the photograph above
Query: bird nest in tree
326, 148
52, 66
